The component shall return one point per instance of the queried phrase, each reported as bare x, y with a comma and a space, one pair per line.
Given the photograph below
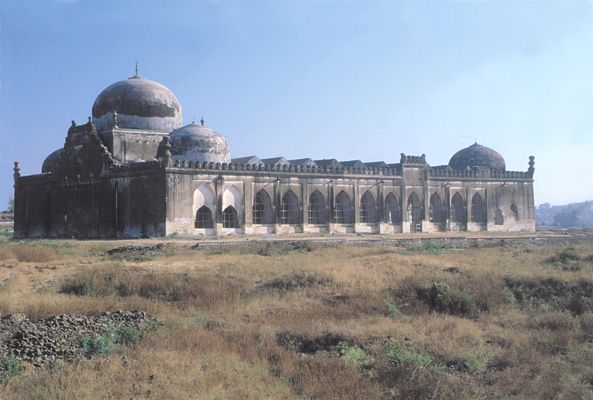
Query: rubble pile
58, 337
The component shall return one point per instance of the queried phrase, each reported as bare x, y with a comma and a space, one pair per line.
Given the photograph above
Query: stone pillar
248, 205
305, 203
356, 203
217, 212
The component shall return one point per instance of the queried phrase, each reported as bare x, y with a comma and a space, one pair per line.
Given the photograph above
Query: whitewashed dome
195, 142
139, 104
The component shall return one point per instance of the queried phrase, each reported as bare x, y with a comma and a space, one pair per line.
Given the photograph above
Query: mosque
134, 170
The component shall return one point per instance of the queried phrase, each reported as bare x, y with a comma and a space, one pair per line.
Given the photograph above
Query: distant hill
575, 215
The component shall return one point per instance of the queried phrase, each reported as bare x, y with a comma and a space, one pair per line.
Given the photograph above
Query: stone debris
58, 337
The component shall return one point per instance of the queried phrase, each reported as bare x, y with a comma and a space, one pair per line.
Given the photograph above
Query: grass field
298, 321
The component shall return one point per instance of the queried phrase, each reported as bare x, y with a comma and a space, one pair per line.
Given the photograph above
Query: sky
337, 79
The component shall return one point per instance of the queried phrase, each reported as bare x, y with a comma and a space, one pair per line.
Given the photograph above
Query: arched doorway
368, 208
415, 213
289, 210
262, 208
458, 213
204, 218
436, 212
230, 218
393, 210
478, 212
344, 212
317, 209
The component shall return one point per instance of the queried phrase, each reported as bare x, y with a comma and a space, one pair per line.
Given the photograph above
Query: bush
281, 247
105, 343
478, 360
9, 367
399, 354
355, 355
297, 280
427, 246
440, 297
551, 293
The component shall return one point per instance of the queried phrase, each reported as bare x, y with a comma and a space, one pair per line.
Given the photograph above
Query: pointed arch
515, 211
317, 209
368, 208
263, 212
344, 212
458, 213
478, 211
204, 218
230, 218
290, 209
415, 212
498, 217
203, 196
436, 212
232, 197
393, 209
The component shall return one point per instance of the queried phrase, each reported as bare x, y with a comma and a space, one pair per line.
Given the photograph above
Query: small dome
477, 155
51, 162
195, 142
140, 104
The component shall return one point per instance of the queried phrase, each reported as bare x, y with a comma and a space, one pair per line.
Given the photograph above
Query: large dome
477, 155
195, 142
140, 104
51, 162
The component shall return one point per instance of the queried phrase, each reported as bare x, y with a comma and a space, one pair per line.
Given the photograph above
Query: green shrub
355, 355
10, 366
105, 343
442, 298
392, 309
427, 246
128, 335
92, 345
478, 360
401, 355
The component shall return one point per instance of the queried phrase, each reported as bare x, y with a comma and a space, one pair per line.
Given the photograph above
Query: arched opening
229, 218
368, 209
415, 213
436, 212
289, 211
515, 211
317, 209
458, 214
393, 209
262, 208
204, 218
478, 213
203, 198
498, 217
344, 212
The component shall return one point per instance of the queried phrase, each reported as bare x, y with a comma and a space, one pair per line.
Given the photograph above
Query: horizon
360, 80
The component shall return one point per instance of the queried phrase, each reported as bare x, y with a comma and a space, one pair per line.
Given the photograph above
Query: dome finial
136, 70
202, 121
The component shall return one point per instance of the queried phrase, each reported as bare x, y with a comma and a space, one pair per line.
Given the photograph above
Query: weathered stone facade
138, 181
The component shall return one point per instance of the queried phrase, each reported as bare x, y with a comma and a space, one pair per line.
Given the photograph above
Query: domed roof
140, 104
195, 142
51, 162
477, 155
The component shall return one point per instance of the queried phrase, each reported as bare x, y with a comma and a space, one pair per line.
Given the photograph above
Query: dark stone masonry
133, 170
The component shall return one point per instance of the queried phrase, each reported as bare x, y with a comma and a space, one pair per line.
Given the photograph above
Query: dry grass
527, 332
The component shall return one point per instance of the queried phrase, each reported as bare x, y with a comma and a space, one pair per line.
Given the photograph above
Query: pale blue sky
322, 79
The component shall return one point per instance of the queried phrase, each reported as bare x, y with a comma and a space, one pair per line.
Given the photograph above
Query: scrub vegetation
292, 320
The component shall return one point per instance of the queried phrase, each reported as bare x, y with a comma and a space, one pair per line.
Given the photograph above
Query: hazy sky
322, 79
